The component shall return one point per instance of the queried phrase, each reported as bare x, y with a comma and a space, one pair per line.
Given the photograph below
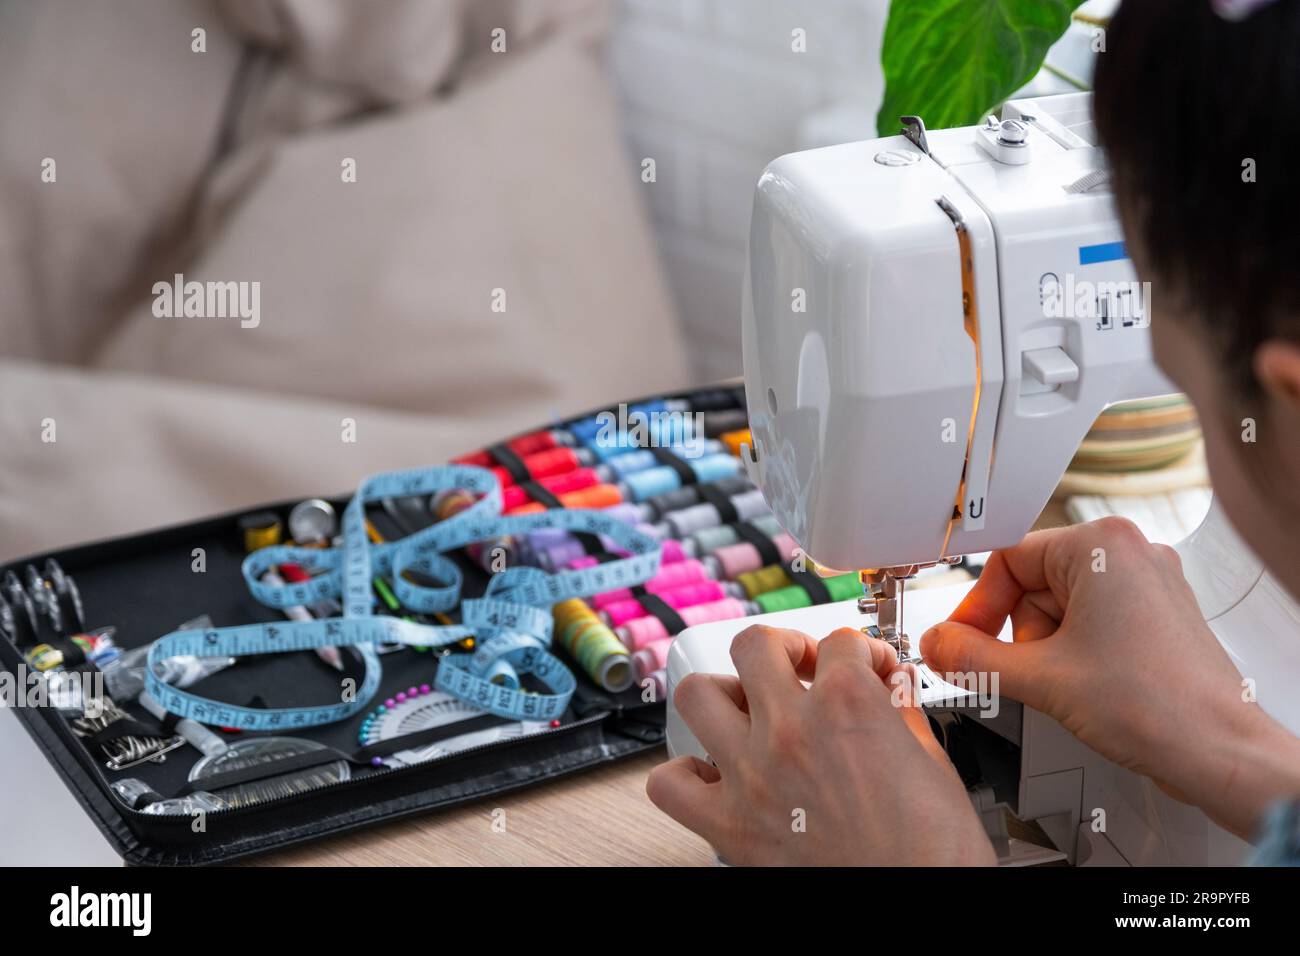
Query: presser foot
896, 639
883, 598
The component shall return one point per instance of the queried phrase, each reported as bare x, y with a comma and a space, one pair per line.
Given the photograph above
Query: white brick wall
713, 91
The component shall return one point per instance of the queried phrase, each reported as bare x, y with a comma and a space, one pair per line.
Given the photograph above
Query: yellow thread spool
763, 580
260, 531
591, 643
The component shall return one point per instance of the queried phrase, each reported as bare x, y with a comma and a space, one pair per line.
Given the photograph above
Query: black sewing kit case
144, 586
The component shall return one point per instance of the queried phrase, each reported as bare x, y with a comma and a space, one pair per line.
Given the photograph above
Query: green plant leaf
952, 61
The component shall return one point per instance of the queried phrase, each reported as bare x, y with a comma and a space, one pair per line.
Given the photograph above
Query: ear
1277, 366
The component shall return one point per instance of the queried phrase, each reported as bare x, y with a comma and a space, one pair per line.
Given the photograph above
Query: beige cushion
381, 291
114, 95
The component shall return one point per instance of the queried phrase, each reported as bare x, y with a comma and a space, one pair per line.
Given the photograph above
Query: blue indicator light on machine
1105, 252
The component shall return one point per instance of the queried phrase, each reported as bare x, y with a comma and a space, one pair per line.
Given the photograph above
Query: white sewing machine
932, 322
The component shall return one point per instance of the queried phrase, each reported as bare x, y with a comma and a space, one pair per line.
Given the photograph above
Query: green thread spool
591, 643
783, 599
842, 587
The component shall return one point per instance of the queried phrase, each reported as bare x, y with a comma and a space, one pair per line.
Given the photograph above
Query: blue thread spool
651, 482
714, 467
587, 429
630, 462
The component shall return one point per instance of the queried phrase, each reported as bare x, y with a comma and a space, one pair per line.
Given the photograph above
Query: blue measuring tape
511, 622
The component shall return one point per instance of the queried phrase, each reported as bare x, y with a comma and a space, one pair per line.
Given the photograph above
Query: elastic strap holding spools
684, 471
763, 543
506, 457
658, 608
541, 494
811, 583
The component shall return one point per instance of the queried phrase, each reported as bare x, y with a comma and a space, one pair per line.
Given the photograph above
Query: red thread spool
543, 464
522, 446
515, 496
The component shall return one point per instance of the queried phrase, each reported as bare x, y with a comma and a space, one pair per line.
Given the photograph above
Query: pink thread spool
653, 657
669, 576
672, 554
642, 631
787, 546
701, 592
737, 559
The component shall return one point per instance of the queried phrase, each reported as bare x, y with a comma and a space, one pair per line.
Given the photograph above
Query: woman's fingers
958, 649
684, 789
712, 707
1008, 576
847, 647
770, 662
1036, 616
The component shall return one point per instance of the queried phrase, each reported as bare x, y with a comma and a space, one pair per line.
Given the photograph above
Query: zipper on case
349, 784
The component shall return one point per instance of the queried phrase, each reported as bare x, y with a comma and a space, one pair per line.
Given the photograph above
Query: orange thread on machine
970, 320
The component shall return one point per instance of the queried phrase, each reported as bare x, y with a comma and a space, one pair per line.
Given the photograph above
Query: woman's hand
1110, 642
846, 772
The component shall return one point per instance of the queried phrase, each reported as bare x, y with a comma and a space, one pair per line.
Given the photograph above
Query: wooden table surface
597, 818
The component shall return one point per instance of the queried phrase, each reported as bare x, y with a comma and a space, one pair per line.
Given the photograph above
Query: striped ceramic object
1140, 435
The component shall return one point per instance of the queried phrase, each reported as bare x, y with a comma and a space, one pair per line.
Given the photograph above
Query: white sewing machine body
932, 323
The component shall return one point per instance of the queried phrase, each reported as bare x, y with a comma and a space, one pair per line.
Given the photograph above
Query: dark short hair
1183, 98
